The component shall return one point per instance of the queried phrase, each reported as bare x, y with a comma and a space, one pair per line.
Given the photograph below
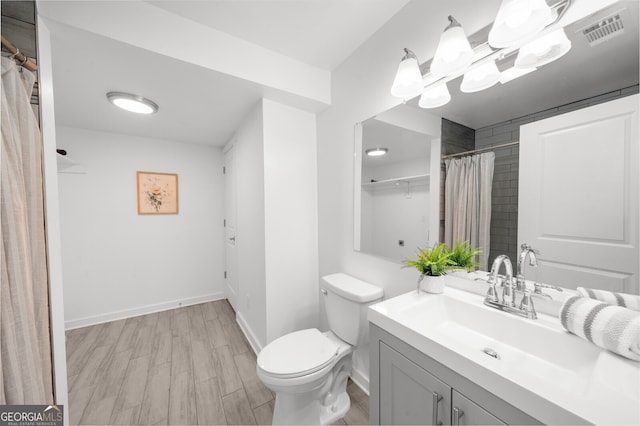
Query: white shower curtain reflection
25, 354
467, 201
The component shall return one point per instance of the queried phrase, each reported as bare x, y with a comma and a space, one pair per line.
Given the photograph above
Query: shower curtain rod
19, 56
474, 151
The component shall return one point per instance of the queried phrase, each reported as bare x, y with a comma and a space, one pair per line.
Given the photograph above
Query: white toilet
309, 369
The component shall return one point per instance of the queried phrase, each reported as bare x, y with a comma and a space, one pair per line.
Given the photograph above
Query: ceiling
322, 33
200, 105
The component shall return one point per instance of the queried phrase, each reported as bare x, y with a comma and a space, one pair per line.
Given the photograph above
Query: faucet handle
538, 286
527, 247
492, 293
526, 305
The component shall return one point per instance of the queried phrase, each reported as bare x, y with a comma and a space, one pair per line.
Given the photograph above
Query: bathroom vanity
448, 359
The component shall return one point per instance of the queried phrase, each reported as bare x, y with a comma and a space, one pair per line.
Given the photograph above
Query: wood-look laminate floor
189, 365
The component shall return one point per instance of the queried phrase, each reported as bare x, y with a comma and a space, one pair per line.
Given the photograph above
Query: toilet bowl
308, 369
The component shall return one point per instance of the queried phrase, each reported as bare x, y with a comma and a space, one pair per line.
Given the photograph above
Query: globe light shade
480, 77
408, 82
543, 50
454, 53
434, 96
519, 20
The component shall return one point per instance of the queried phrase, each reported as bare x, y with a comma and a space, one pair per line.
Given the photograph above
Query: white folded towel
630, 301
610, 327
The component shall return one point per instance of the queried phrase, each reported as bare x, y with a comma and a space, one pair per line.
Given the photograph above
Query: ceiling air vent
604, 29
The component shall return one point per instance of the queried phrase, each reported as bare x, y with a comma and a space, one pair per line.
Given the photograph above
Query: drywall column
277, 241
291, 219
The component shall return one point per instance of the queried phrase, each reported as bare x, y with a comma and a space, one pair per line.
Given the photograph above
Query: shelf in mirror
423, 179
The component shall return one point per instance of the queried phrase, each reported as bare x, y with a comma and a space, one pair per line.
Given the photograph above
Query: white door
231, 275
578, 196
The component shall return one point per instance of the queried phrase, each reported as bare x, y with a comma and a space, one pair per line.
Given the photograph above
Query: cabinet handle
436, 398
457, 413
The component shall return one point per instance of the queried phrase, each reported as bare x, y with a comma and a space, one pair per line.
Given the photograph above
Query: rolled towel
630, 301
614, 328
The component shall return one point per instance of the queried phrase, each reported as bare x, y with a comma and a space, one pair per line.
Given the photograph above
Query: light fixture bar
485, 53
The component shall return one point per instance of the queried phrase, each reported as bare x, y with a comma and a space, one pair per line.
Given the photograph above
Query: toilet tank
345, 301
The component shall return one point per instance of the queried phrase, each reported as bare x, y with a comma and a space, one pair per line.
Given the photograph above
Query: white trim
141, 310
52, 214
248, 333
360, 379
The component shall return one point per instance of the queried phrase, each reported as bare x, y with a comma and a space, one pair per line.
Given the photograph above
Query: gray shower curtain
467, 201
25, 343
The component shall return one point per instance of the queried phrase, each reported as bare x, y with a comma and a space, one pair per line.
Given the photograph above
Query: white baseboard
248, 333
361, 380
141, 310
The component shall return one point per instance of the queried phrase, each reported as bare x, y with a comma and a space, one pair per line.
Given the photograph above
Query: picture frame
157, 193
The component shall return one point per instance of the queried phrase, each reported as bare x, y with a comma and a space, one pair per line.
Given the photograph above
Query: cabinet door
409, 395
466, 412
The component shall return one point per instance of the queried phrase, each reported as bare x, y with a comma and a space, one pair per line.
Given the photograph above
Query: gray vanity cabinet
466, 412
409, 388
409, 395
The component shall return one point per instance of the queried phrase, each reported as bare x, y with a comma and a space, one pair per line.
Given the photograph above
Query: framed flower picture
157, 193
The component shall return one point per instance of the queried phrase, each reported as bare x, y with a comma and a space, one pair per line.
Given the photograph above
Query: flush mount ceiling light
454, 53
132, 103
376, 152
435, 96
408, 81
519, 20
543, 50
480, 77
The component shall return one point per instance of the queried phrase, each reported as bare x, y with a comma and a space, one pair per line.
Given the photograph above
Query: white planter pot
432, 284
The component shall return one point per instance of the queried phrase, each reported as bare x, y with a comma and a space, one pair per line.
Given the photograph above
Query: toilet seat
297, 354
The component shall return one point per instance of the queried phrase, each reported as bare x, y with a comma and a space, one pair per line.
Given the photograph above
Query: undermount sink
533, 364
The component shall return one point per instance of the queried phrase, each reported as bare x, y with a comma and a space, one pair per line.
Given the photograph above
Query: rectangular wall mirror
592, 72
394, 199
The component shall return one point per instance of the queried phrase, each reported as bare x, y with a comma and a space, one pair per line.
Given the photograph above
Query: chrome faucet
508, 285
506, 282
525, 251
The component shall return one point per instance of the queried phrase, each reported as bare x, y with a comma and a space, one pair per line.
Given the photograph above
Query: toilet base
327, 402
307, 409
330, 414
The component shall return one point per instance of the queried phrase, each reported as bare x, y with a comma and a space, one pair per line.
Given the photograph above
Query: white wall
394, 215
361, 90
291, 218
275, 163
117, 263
248, 158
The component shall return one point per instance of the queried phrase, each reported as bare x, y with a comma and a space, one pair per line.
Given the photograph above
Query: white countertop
550, 374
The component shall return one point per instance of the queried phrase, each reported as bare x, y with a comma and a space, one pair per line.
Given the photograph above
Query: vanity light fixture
480, 77
408, 81
513, 31
376, 152
519, 20
543, 50
132, 103
454, 53
434, 96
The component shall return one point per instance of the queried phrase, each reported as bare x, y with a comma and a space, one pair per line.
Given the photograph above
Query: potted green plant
464, 256
433, 264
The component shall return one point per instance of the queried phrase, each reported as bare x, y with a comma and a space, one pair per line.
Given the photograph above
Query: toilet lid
298, 353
